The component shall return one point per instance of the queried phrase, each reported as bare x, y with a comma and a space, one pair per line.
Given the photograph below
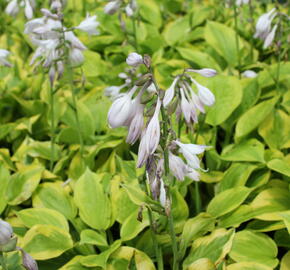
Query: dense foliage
87, 208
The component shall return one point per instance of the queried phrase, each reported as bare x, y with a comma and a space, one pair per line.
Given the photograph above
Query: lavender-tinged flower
89, 25
27, 261
120, 111
249, 74
270, 37
3, 58
205, 72
162, 194
76, 57
205, 95
129, 11
263, 25
190, 152
12, 8
186, 108
134, 59
177, 167
152, 133
169, 94
112, 7
6, 232
192, 174
28, 9
142, 151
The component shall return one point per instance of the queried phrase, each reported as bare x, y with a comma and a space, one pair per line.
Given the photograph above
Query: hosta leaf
227, 201
252, 118
285, 262
248, 266
55, 196
92, 201
279, 165
228, 94
23, 183
214, 247
74, 264
254, 247
44, 242
44, 216
250, 150
202, 264
93, 238
4, 179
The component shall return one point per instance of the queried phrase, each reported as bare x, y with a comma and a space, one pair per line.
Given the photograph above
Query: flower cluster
55, 43
140, 109
13, 7
113, 6
264, 31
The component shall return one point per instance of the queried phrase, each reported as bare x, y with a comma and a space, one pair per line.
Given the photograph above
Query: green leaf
93, 65
132, 226
254, 247
4, 180
227, 201
250, 150
228, 94
150, 12
236, 175
285, 262
44, 216
43, 150
74, 264
275, 130
93, 203
93, 238
44, 242
223, 40
214, 247
279, 165
252, 118
202, 264
55, 196
248, 266
286, 218
23, 183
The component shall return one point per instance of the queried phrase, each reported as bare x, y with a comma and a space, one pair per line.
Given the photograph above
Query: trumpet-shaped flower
142, 151
76, 57
112, 7
120, 111
134, 59
3, 58
205, 72
12, 8
177, 166
169, 94
192, 174
204, 94
270, 37
152, 133
89, 25
263, 25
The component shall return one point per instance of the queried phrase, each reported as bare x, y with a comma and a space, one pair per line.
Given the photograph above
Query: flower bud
134, 59
205, 72
12, 8
169, 94
205, 95
249, 74
27, 261
143, 79
112, 7
147, 60
129, 10
28, 10
6, 232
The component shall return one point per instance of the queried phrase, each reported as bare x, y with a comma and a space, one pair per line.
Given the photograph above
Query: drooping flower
12, 8
142, 151
3, 58
89, 25
134, 59
270, 37
205, 95
112, 7
6, 232
177, 166
205, 72
27, 261
120, 111
263, 25
169, 94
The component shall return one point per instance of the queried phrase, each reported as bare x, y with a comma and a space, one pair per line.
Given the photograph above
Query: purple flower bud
134, 59
169, 94
6, 232
27, 261
112, 7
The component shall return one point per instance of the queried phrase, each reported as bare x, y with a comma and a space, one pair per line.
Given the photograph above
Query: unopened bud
147, 97
167, 207
173, 106
147, 60
27, 261
134, 59
145, 78
205, 72
6, 232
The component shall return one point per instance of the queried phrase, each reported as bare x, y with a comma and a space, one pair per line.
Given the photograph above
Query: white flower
249, 74
270, 37
120, 111
134, 59
192, 173
137, 122
205, 95
5, 232
112, 7
76, 57
74, 41
152, 133
190, 152
205, 72
3, 55
187, 108
28, 9
113, 91
129, 10
177, 166
169, 94
263, 24
151, 88
89, 25
162, 193
12, 8
142, 151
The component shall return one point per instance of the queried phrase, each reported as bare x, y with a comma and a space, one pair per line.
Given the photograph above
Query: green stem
237, 37
174, 241
157, 250
52, 126
2, 261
